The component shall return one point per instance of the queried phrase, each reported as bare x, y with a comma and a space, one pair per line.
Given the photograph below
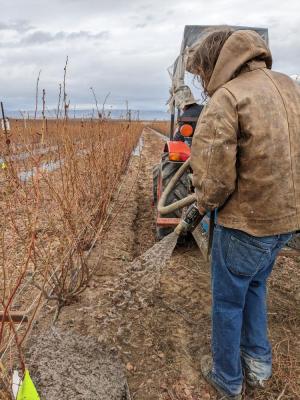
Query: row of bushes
57, 182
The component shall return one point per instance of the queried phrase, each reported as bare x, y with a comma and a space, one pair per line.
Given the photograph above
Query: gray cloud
41, 37
19, 26
141, 26
121, 46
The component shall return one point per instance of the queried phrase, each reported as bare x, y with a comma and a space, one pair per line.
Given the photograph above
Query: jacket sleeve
214, 151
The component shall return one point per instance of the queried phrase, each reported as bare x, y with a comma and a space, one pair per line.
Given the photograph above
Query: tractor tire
167, 169
155, 172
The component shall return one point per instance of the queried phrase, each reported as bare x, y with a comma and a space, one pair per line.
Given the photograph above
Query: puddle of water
54, 165
139, 147
27, 154
26, 175
51, 165
48, 167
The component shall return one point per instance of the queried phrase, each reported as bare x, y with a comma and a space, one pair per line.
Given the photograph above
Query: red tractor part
186, 130
175, 154
178, 151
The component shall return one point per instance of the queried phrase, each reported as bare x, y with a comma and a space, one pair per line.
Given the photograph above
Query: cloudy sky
122, 47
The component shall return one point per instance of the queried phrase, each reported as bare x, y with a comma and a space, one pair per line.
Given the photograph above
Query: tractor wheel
164, 172
155, 172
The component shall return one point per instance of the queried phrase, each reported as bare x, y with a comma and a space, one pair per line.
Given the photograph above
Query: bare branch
37, 94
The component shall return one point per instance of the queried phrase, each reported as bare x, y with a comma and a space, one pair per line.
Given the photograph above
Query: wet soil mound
65, 365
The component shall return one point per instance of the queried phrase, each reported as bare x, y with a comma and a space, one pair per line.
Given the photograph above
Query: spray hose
162, 208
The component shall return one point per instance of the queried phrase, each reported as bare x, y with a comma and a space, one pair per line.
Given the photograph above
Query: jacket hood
240, 48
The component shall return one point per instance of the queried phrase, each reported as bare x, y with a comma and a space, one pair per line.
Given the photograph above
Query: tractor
172, 177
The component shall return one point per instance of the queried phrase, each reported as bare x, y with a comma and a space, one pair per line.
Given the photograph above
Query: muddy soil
161, 335
67, 365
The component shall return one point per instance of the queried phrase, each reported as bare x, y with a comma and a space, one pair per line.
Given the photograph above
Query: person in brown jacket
246, 163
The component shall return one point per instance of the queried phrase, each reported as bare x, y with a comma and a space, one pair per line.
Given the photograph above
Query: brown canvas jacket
246, 147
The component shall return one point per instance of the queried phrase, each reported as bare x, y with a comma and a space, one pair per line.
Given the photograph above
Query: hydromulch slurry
145, 330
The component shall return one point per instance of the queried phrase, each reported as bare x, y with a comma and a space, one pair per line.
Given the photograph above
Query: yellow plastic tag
27, 389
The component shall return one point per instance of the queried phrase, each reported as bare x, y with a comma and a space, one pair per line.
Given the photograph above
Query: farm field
161, 127
130, 132
158, 341
56, 190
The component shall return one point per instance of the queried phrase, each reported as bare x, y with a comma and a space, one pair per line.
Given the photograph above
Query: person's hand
202, 210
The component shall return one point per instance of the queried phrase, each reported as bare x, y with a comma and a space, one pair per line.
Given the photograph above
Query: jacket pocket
245, 259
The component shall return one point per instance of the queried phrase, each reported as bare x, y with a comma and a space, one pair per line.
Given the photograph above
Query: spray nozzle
190, 220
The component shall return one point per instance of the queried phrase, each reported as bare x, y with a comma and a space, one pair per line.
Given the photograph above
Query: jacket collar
253, 65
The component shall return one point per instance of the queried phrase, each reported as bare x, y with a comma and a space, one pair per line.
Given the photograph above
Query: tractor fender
177, 150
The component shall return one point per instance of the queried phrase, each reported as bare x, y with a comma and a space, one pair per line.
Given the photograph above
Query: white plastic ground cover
41, 149
27, 154
45, 167
51, 166
139, 147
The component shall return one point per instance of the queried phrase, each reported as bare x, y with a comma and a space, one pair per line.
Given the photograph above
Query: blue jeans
241, 264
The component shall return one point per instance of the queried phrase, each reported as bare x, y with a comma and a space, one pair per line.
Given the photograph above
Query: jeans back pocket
245, 259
